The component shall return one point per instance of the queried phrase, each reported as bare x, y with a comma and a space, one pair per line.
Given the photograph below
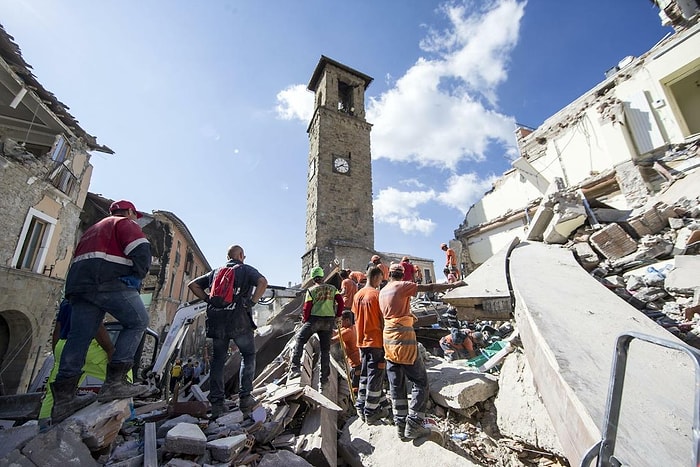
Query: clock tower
339, 214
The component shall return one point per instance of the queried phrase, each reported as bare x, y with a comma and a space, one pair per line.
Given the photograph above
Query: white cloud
295, 102
442, 110
464, 190
397, 207
414, 182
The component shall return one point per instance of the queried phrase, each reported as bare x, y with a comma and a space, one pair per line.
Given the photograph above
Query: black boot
415, 429
116, 386
65, 401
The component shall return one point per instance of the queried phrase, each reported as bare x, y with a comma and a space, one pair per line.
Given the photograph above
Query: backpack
221, 292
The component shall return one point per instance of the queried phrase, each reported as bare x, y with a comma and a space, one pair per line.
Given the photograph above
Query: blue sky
205, 104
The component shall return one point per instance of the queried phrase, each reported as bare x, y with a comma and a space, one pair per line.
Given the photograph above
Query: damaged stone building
612, 147
44, 177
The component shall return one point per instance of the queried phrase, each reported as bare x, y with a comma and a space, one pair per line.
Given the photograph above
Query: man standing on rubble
319, 316
110, 261
369, 324
401, 352
450, 260
234, 323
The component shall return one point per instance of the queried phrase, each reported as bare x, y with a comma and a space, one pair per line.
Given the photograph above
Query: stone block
226, 449
286, 458
458, 387
586, 255
100, 423
186, 438
232, 418
613, 242
15, 437
58, 447
169, 424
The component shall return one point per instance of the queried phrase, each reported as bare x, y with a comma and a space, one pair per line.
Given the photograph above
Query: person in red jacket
109, 263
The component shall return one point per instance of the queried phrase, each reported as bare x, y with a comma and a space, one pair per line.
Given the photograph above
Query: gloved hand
248, 303
131, 282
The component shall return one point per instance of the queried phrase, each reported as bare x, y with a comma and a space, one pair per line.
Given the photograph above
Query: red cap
123, 205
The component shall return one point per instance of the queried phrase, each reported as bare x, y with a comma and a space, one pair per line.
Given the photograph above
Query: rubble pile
650, 259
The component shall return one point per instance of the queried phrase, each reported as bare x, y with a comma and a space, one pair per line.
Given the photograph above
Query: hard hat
396, 267
443, 245
317, 272
375, 258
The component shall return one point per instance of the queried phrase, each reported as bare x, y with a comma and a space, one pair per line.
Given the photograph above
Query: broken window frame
34, 240
61, 149
63, 179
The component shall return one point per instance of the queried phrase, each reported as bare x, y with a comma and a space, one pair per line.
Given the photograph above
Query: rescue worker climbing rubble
318, 317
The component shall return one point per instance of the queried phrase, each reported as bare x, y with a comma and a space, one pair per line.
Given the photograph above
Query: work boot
217, 410
400, 429
116, 386
246, 404
375, 417
415, 429
65, 401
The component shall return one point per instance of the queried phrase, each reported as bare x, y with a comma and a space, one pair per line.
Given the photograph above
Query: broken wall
623, 123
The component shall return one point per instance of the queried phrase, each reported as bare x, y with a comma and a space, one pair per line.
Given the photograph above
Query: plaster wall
483, 245
510, 193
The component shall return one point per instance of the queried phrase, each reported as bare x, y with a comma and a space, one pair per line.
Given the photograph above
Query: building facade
616, 145
45, 172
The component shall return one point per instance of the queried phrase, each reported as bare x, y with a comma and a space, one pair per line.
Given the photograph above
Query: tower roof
329, 61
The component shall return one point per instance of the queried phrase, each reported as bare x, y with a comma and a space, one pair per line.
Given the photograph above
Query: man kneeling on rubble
461, 343
401, 352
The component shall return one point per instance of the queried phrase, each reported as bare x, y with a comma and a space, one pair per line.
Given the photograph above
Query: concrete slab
520, 412
486, 285
16, 437
685, 276
569, 336
379, 446
186, 438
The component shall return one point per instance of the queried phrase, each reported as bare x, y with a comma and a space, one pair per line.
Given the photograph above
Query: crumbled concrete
459, 387
169, 424
286, 458
186, 438
15, 437
231, 418
59, 447
226, 449
520, 410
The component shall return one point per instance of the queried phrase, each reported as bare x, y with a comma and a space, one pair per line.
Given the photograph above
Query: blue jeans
398, 374
246, 346
88, 312
323, 326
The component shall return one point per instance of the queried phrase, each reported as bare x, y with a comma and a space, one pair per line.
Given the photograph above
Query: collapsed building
600, 211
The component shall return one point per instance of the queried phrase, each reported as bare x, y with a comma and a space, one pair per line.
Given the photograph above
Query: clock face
341, 165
